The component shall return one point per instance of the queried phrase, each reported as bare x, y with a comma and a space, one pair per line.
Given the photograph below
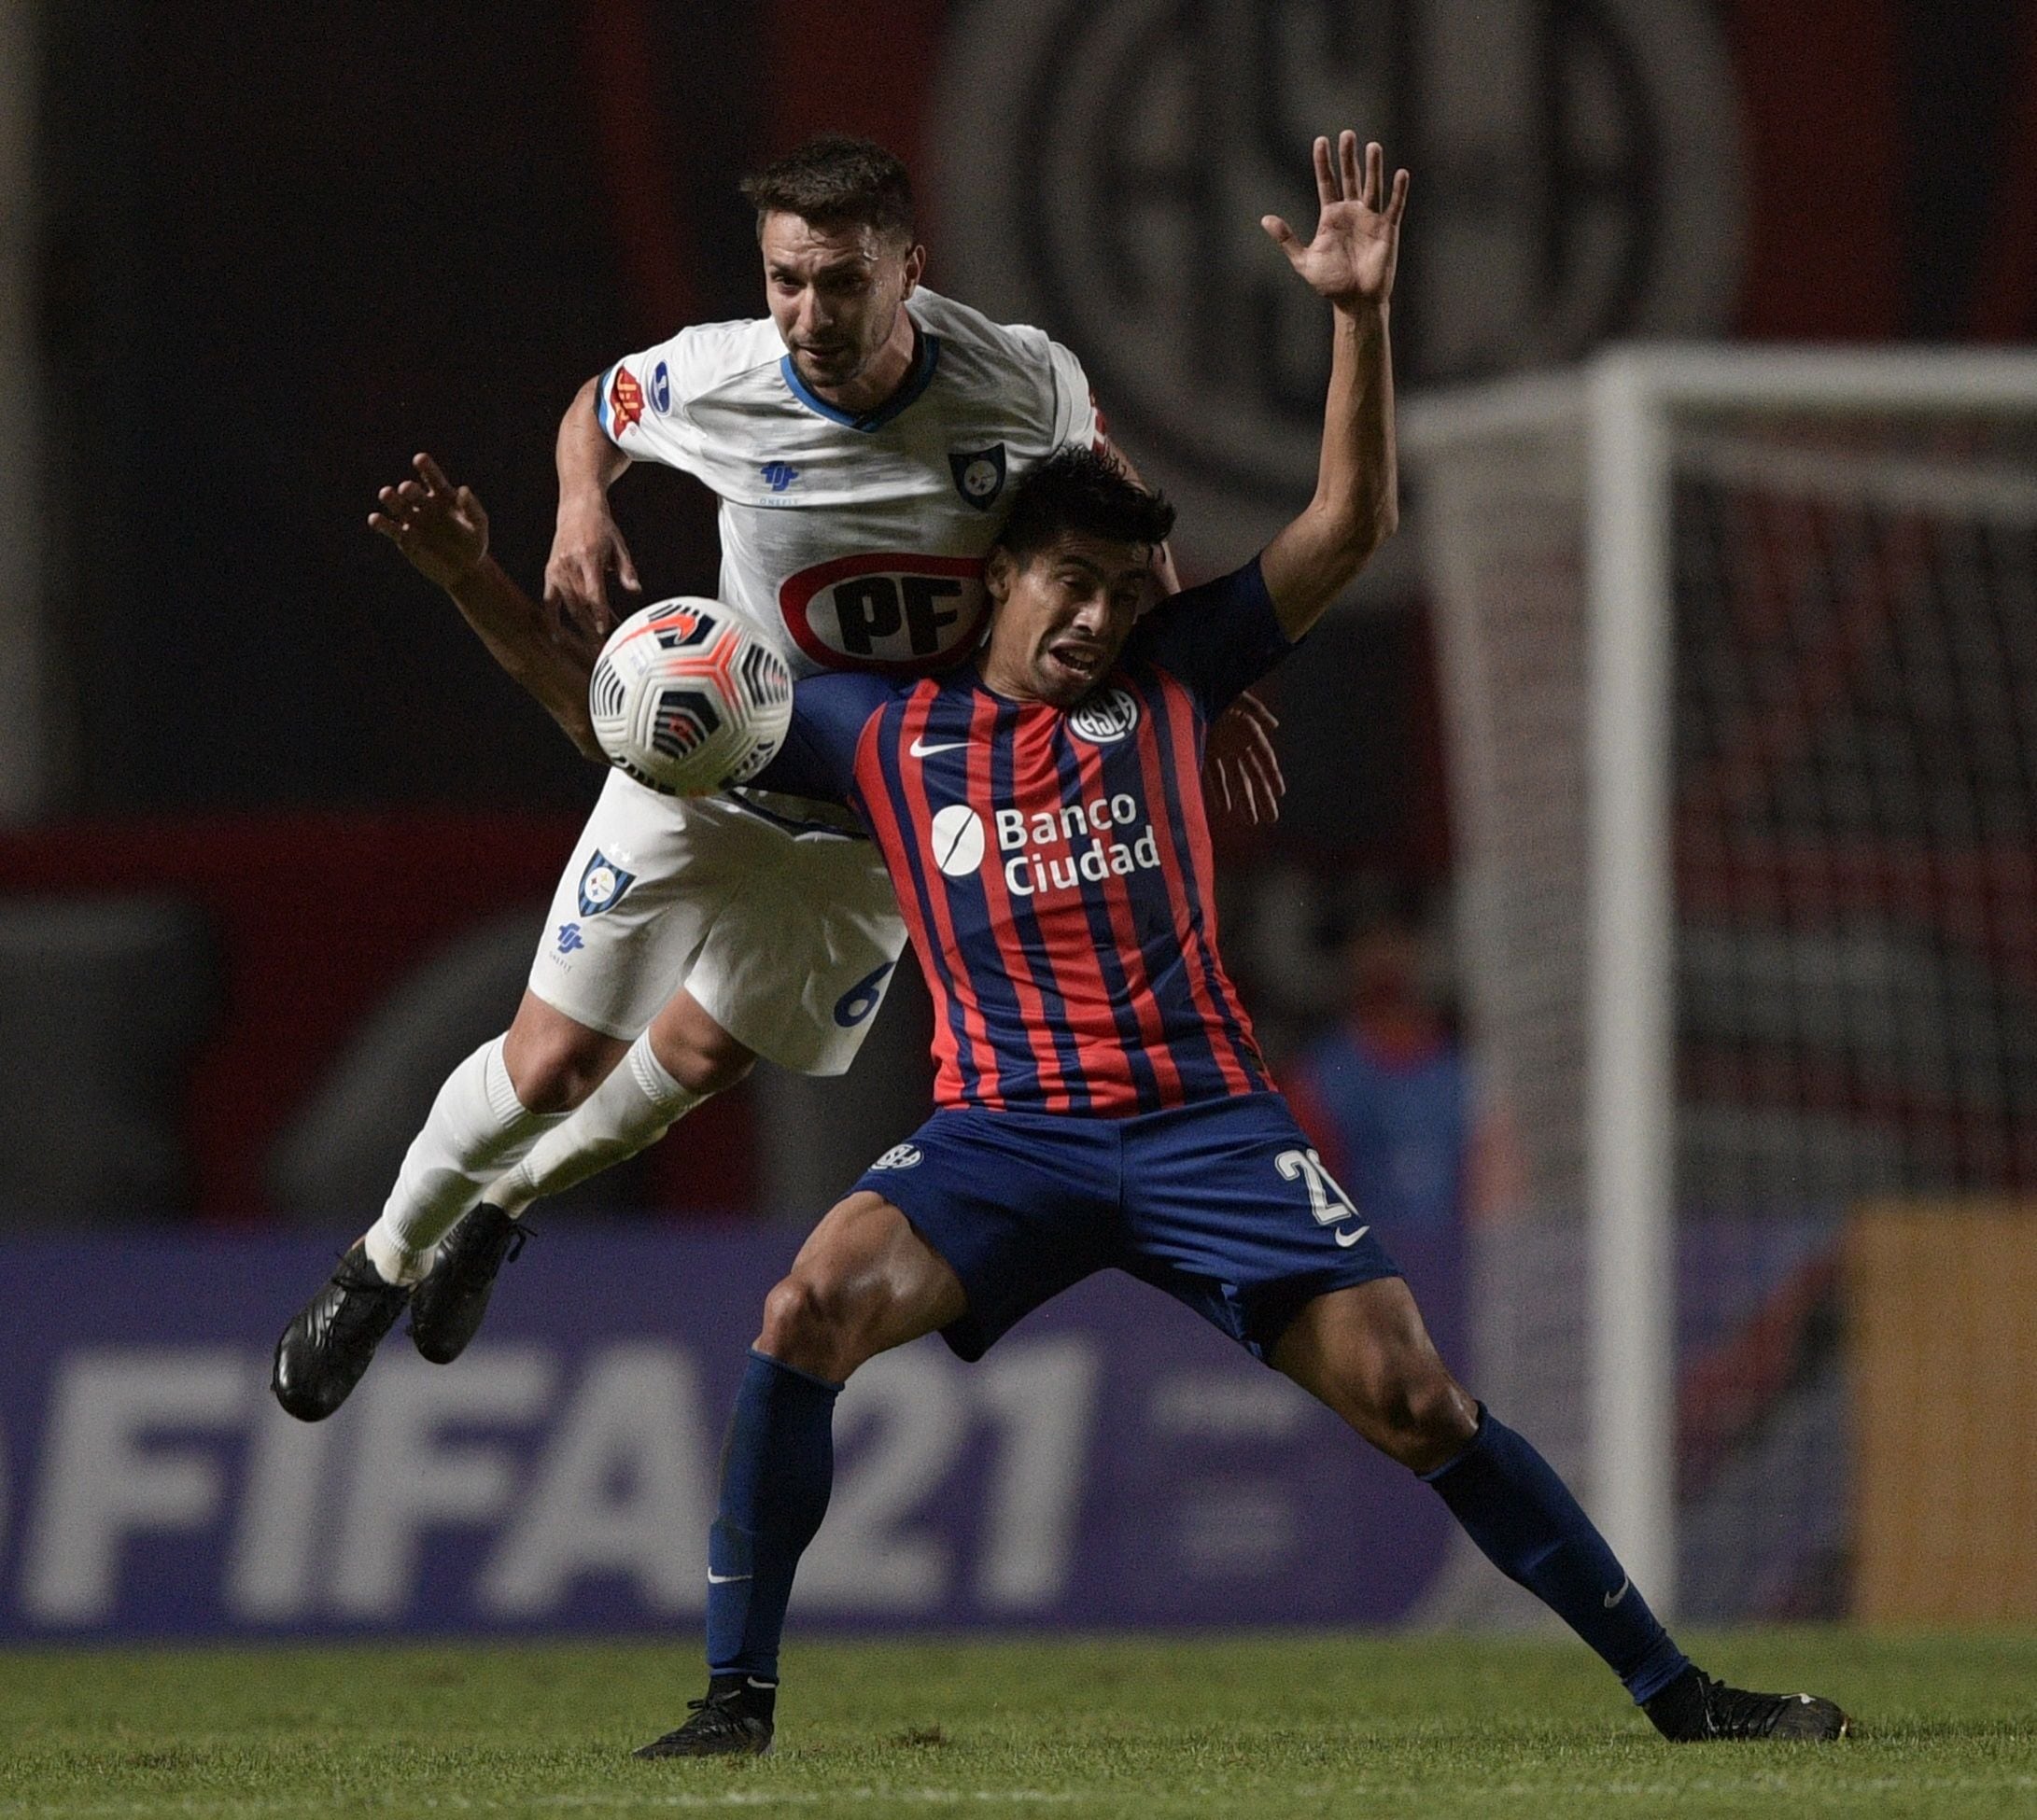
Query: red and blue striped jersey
1053, 864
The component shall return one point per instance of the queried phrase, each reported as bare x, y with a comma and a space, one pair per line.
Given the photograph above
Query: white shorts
779, 922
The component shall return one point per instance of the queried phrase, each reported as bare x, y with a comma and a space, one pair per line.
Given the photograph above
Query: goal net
1740, 667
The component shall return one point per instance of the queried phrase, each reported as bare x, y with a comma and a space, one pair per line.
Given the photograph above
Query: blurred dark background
278, 834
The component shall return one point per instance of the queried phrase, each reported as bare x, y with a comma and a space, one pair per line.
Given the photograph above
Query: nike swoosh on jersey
919, 749
1350, 1238
724, 1579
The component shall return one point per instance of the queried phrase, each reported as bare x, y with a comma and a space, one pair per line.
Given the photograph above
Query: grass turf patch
1138, 1727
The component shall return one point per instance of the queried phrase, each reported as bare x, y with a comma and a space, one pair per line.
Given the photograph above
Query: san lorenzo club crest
1106, 716
602, 884
979, 474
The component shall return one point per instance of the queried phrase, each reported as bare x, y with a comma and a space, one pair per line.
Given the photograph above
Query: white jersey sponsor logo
888, 611
1049, 851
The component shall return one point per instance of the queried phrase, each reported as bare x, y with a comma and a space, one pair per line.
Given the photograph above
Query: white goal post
1569, 584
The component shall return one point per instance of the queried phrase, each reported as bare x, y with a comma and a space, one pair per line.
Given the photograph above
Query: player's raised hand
1357, 234
440, 527
586, 549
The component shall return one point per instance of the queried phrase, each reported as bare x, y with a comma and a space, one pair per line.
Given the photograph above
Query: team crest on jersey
979, 474
661, 388
602, 884
1104, 719
899, 1157
626, 401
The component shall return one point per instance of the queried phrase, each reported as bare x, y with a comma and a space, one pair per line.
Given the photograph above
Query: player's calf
1365, 1353
634, 1105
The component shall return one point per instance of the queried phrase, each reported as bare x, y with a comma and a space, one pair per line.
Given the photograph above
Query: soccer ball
687, 697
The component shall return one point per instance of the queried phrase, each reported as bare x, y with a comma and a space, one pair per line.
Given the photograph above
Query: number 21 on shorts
1329, 1202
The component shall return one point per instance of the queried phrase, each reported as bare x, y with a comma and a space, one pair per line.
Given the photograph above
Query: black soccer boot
323, 1352
734, 1720
445, 1309
1694, 1707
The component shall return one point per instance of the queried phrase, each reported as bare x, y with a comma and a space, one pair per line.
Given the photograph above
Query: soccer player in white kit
860, 440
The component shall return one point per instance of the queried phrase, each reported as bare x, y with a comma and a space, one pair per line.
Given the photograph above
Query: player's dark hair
1086, 492
835, 181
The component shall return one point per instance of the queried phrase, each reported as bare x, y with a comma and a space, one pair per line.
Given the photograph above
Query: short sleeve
642, 402
1076, 419
818, 760
1218, 639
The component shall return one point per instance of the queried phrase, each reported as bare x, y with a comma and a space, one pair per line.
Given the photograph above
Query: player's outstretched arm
588, 544
1241, 770
1350, 262
443, 532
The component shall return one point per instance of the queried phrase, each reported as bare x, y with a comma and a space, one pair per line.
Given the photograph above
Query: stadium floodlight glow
1732, 642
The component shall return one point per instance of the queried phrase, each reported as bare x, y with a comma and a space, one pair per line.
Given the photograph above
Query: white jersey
862, 538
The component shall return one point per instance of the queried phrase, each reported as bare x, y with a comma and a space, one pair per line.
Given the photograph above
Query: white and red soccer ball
687, 697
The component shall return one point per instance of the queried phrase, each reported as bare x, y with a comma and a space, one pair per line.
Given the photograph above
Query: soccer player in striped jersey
1102, 1100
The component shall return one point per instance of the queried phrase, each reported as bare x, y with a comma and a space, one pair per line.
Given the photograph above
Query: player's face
836, 294
1062, 616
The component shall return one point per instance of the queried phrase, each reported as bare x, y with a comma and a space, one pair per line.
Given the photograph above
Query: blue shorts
1223, 1204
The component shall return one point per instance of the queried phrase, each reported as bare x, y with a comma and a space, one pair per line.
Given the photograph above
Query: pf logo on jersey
979, 474
891, 610
899, 1157
1105, 718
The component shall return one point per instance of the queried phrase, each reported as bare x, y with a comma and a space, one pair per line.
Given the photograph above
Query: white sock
477, 1126
629, 1110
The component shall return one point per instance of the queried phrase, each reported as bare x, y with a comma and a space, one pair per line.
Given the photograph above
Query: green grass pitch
1259, 1728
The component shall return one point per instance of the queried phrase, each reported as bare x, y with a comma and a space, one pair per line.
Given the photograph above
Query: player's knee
698, 1053
712, 1071
554, 1071
1425, 1415
809, 1325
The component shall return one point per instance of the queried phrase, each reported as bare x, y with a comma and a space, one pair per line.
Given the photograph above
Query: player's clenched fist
440, 527
586, 549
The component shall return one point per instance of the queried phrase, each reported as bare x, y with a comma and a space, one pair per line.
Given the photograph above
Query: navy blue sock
1526, 1523
777, 1468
